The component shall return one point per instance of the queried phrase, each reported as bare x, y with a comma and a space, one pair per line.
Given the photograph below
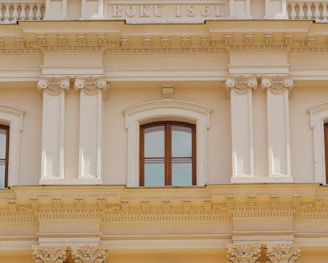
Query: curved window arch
155, 111
13, 118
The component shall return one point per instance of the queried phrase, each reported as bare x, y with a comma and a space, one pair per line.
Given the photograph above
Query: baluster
308, 11
38, 12
324, 12
292, 11
15, 12
23, 12
301, 11
7, 13
31, 11
316, 12
1, 17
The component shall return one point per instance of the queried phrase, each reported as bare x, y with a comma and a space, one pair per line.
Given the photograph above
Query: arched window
4, 155
167, 154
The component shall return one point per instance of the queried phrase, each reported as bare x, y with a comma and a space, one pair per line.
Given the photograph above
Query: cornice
166, 237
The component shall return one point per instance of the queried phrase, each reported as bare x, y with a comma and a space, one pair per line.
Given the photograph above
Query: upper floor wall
185, 11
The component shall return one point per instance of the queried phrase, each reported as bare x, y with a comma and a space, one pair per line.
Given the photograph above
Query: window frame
6, 159
167, 149
164, 110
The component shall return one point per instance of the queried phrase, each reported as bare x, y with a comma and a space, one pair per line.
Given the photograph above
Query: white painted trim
13, 116
166, 110
318, 116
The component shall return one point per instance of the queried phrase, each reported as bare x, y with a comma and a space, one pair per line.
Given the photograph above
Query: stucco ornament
243, 253
89, 254
92, 85
241, 84
284, 253
277, 84
54, 85
49, 254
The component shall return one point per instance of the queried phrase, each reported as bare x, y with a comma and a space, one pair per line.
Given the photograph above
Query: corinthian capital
241, 84
92, 85
243, 253
284, 253
53, 85
49, 254
277, 84
89, 254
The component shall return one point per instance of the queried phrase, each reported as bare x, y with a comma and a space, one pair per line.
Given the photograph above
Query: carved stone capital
241, 84
49, 254
284, 253
53, 85
92, 85
277, 84
89, 254
243, 253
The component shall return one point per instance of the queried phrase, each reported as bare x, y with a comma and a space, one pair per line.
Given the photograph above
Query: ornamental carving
92, 85
241, 84
243, 253
89, 254
284, 253
278, 84
49, 254
53, 85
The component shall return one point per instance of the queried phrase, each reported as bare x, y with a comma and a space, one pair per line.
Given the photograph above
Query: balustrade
10, 12
308, 10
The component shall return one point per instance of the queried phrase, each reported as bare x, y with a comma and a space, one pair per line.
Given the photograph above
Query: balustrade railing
308, 10
12, 11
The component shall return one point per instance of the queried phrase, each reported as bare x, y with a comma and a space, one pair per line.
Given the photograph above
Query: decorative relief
49, 254
284, 253
89, 254
241, 84
92, 85
243, 253
167, 90
54, 85
147, 43
277, 84
61, 40
165, 42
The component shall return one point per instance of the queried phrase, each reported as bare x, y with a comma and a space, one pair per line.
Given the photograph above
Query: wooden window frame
6, 159
325, 132
168, 149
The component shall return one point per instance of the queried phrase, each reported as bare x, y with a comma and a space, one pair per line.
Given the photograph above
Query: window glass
181, 141
154, 141
4, 140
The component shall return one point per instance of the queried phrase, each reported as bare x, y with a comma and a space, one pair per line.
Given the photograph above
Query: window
167, 154
4, 155
326, 149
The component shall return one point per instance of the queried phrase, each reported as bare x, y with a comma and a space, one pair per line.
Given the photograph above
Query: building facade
163, 131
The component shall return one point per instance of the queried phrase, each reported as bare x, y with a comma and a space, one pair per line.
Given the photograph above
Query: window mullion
168, 154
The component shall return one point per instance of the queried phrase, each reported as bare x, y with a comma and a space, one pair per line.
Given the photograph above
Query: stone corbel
241, 84
243, 253
49, 254
86, 254
92, 85
277, 84
284, 253
53, 85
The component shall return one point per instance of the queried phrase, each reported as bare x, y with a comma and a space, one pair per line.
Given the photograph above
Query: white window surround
319, 116
166, 110
13, 117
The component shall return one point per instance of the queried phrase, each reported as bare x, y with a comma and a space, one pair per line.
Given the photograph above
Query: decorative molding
284, 253
53, 85
166, 237
92, 85
241, 84
243, 253
49, 254
86, 254
167, 90
277, 84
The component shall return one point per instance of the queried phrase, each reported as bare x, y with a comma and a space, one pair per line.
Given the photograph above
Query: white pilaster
53, 116
241, 126
278, 126
91, 96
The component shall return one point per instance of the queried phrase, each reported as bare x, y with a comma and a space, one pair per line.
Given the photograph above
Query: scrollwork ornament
89, 254
92, 85
284, 253
241, 85
278, 84
53, 85
49, 254
243, 253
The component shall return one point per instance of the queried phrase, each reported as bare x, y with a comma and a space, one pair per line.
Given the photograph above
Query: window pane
154, 173
182, 173
2, 174
154, 141
3, 137
181, 141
